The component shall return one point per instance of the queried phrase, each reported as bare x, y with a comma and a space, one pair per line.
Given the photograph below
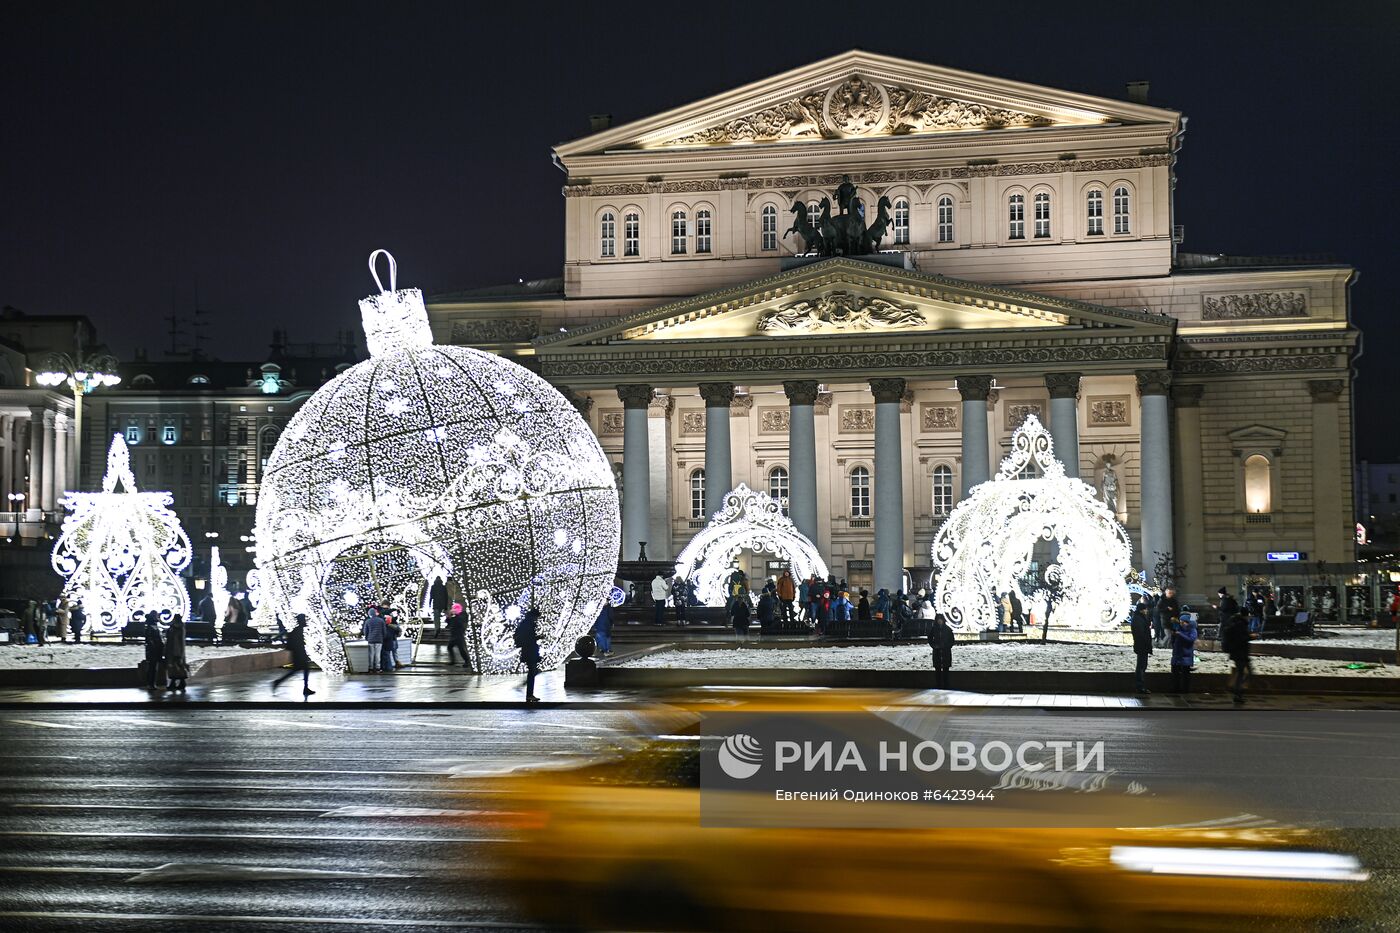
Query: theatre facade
848, 284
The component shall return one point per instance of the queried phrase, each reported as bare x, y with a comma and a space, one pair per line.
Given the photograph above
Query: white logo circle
740, 756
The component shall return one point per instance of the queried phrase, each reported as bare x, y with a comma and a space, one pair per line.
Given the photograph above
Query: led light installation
121, 552
218, 583
749, 520
984, 549
428, 462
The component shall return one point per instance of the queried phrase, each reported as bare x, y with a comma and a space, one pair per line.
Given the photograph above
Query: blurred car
618, 844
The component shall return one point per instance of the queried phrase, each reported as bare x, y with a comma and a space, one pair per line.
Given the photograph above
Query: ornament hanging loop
393, 270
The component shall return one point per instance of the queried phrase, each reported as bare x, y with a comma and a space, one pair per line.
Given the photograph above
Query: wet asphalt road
304, 819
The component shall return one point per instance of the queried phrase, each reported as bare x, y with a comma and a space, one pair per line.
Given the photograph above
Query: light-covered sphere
437, 462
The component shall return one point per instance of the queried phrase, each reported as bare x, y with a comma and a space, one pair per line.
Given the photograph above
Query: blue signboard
1284, 555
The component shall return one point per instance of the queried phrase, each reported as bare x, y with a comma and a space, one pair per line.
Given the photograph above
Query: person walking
660, 593
1183, 653
177, 668
602, 629
1141, 626
155, 652
389, 651
787, 595
374, 635
301, 661
941, 640
739, 617
1234, 641
527, 639
457, 635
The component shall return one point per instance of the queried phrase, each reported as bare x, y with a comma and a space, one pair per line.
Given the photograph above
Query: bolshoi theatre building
848, 284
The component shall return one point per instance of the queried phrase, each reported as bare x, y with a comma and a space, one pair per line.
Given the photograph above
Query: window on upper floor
901, 221
1258, 485
860, 492
942, 491
631, 235
770, 227
778, 487
1093, 209
133, 435
1042, 215
1121, 209
167, 434
697, 494
607, 235
1016, 217
945, 219
703, 237
680, 232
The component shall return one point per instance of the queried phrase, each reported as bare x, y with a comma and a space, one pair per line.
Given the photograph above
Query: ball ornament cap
428, 463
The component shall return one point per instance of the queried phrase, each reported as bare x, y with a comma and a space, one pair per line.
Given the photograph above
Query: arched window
901, 221
945, 219
1042, 215
1120, 210
1093, 206
607, 235
942, 491
631, 235
679, 233
1016, 217
860, 492
770, 227
778, 487
1258, 486
697, 493
703, 238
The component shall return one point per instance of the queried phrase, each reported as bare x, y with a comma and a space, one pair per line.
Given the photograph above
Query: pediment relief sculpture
858, 107
839, 311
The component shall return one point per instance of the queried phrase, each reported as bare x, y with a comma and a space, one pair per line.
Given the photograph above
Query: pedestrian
863, 607
457, 635
63, 614
527, 639
1234, 641
1394, 608
1168, 610
155, 653
301, 661
389, 651
903, 615
680, 597
50, 609
803, 589
767, 610
941, 639
1183, 653
374, 635
739, 617
660, 593
882, 610
602, 629
814, 601
1141, 626
79, 621
1226, 606
841, 610
208, 612
787, 595
33, 621
177, 668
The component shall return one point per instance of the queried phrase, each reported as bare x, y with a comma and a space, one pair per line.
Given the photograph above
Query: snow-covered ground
61, 656
1346, 638
980, 657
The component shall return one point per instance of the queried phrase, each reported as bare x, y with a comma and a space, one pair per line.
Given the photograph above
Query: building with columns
1030, 265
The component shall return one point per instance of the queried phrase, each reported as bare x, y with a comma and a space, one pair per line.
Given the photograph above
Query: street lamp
83, 373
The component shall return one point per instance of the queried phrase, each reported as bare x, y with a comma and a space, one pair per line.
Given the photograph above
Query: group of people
382, 631
1166, 623
37, 618
166, 666
676, 592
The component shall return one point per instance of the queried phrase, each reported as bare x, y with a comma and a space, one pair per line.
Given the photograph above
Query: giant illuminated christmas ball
436, 462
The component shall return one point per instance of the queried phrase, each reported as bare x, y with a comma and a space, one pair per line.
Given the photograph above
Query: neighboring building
1029, 266
1378, 505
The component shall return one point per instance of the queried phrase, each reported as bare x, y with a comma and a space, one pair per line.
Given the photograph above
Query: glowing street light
83, 373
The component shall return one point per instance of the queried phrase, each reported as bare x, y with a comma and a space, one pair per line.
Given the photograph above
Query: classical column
7, 461
1190, 497
34, 495
1064, 418
889, 485
659, 464
802, 456
58, 476
975, 460
1330, 525
636, 474
1156, 452
719, 470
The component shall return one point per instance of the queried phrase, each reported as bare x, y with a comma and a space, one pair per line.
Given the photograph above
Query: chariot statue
845, 233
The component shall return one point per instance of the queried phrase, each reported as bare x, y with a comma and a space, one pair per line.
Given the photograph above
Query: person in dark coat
1234, 641
739, 618
1183, 654
941, 639
457, 635
155, 652
602, 629
527, 639
208, 612
1141, 626
374, 636
177, 668
389, 651
1168, 610
1226, 605
863, 607
767, 609
79, 622
301, 661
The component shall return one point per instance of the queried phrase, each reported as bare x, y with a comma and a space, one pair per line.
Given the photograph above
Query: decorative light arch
985, 546
749, 520
122, 552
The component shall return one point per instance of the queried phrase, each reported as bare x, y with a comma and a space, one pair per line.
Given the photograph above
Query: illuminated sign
1285, 555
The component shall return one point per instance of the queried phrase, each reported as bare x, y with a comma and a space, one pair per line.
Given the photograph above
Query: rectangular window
679, 233
167, 434
1120, 210
901, 222
631, 235
1042, 216
1016, 217
133, 435
608, 237
770, 227
945, 219
702, 231
1095, 212
860, 493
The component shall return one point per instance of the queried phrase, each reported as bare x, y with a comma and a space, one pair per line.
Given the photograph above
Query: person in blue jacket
1183, 652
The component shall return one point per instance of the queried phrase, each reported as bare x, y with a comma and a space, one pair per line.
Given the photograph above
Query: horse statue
877, 231
803, 227
833, 233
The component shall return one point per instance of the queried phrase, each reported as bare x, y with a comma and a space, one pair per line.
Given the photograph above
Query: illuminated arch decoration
427, 462
121, 552
749, 520
985, 547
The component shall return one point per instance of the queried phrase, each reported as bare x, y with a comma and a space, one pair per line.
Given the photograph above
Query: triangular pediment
851, 298
862, 95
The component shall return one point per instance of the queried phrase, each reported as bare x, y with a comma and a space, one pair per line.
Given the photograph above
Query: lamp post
83, 373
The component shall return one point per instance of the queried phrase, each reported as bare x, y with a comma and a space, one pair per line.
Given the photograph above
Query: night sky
249, 155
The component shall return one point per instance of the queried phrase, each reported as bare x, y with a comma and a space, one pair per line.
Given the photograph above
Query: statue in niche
1109, 488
